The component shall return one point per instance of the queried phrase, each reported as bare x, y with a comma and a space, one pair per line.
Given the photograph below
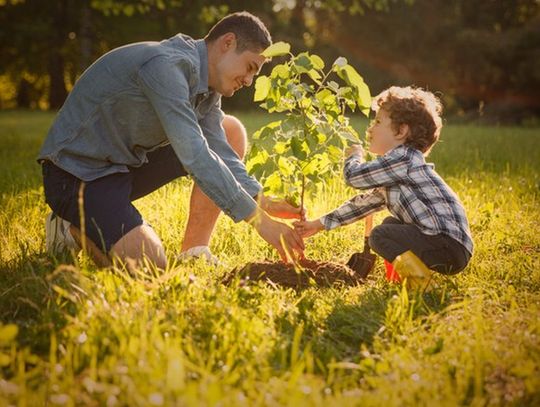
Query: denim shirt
140, 97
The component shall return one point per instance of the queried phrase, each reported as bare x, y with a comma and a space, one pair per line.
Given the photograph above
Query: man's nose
248, 80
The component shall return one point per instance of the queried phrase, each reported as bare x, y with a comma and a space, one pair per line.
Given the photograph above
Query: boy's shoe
57, 235
418, 275
200, 252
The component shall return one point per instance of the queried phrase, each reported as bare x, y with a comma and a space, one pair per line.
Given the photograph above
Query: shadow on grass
38, 294
350, 327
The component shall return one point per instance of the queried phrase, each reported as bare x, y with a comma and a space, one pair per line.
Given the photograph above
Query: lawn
73, 334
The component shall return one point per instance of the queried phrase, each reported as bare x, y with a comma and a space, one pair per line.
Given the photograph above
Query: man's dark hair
251, 33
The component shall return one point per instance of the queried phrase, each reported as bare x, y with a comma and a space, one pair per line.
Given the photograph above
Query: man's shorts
108, 210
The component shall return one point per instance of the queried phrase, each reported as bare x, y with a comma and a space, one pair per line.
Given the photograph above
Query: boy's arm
357, 208
389, 169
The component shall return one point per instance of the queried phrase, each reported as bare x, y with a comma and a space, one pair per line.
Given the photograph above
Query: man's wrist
255, 217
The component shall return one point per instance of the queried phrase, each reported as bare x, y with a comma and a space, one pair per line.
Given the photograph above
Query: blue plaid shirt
409, 188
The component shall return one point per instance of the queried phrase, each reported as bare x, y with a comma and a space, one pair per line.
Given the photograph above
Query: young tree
295, 154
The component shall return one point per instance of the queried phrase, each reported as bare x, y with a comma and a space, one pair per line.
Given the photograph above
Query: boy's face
235, 70
382, 136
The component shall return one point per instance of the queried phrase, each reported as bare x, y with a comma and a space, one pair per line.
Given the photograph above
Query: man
143, 115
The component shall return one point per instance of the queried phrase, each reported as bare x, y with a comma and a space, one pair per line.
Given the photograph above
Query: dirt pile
310, 273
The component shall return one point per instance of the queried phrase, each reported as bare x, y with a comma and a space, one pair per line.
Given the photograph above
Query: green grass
88, 336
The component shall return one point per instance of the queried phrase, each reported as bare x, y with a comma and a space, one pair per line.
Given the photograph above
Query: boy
429, 228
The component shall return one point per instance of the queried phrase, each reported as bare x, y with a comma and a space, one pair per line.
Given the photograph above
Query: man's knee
139, 243
236, 134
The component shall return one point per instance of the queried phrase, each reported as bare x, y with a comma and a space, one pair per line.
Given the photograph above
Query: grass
72, 334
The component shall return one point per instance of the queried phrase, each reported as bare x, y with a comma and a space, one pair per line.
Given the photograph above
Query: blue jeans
108, 210
439, 252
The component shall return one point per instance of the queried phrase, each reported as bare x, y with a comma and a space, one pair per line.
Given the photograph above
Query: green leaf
286, 168
277, 49
292, 124
299, 148
353, 78
340, 62
274, 183
281, 71
280, 147
349, 136
335, 153
262, 87
313, 74
333, 85
317, 62
312, 167
302, 63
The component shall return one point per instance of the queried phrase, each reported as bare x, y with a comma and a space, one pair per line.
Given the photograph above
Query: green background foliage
483, 57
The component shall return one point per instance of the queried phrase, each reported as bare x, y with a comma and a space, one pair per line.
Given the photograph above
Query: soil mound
310, 273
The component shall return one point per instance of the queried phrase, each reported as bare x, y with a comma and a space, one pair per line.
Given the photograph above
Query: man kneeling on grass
143, 115
429, 228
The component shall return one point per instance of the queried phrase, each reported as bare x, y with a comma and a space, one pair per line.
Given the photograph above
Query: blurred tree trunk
23, 94
57, 89
85, 36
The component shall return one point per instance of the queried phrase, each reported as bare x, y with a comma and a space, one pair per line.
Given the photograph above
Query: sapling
294, 155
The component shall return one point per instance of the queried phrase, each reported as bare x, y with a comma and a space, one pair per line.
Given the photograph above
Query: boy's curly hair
419, 109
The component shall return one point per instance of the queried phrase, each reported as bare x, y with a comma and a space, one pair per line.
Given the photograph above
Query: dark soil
310, 273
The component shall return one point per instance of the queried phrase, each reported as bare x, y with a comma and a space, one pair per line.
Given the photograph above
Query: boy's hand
355, 149
307, 228
280, 208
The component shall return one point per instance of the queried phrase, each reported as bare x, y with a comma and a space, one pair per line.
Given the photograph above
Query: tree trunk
57, 89
23, 94
85, 36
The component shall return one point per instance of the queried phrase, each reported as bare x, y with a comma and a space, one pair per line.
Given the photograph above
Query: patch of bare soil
310, 273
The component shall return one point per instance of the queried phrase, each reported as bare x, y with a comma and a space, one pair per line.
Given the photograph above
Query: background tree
484, 57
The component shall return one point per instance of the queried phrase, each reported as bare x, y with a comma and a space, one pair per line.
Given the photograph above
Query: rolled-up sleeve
212, 128
166, 86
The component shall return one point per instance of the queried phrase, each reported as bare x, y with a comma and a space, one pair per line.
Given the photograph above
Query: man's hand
307, 228
355, 149
280, 208
284, 238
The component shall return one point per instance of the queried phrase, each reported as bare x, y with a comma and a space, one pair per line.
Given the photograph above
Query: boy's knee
374, 238
377, 238
236, 134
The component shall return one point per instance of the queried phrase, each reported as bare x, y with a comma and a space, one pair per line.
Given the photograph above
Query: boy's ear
403, 132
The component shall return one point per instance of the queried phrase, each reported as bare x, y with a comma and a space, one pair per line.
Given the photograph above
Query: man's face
235, 70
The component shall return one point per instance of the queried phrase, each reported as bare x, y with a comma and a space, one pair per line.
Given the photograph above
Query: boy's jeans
439, 252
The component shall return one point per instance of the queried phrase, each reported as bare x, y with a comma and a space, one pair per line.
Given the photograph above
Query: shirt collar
203, 71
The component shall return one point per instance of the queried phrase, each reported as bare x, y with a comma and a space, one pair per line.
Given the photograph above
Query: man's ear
227, 41
403, 132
